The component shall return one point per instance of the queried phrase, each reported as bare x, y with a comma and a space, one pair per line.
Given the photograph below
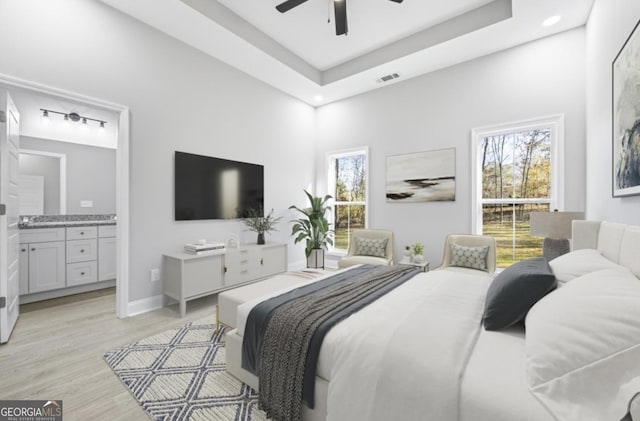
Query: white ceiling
298, 52
304, 30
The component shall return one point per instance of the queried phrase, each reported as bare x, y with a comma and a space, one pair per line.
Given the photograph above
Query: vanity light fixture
68, 117
45, 117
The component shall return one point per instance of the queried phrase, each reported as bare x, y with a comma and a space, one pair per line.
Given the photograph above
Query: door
47, 266
106, 259
9, 235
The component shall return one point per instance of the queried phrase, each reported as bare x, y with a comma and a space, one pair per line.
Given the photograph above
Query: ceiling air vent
388, 78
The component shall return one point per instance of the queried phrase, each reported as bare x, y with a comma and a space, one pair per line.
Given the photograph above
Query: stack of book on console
206, 248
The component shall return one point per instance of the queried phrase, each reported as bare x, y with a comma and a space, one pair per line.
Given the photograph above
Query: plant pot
260, 238
418, 258
316, 259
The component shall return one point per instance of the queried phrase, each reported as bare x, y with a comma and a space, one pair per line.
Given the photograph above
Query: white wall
439, 110
609, 25
180, 99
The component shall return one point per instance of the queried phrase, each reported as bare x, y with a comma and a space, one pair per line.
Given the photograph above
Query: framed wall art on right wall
626, 117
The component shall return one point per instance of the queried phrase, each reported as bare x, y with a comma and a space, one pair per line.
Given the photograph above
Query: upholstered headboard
619, 243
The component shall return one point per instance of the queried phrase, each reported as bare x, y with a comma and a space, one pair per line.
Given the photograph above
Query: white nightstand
424, 266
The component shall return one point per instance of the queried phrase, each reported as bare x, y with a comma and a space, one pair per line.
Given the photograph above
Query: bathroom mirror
42, 185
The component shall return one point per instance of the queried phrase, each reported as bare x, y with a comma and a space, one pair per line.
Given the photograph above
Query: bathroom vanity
65, 255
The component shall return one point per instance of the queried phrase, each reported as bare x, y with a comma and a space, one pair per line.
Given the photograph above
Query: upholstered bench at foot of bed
228, 301
233, 360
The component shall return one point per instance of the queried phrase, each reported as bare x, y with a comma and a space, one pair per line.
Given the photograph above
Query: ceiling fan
340, 9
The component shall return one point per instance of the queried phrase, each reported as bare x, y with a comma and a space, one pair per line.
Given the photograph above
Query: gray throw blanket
291, 341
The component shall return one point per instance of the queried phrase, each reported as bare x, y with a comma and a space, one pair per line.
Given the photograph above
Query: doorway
122, 175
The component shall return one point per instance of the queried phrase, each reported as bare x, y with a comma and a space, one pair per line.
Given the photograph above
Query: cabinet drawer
106, 231
81, 250
41, 235
241, 265
81, 233
81, 273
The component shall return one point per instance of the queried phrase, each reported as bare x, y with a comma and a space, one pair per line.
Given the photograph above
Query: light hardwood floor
55, 352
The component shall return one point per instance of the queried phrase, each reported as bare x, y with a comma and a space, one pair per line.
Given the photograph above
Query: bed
420, 352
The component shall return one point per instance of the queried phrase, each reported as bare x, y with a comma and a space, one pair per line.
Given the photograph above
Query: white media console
189, 276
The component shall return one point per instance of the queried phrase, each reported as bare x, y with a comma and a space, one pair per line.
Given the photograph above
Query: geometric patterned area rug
180, 375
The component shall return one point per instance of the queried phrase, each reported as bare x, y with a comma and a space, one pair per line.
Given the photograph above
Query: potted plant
313, 228
256, 222
418, 249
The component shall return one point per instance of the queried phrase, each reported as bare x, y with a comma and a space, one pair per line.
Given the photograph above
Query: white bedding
402, 356
496, 373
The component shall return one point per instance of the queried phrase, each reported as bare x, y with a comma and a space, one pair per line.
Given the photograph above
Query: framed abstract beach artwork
422, 176
626, 117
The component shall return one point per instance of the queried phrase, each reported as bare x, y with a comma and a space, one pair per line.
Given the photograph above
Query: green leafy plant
260, 224
418, 248
312, 226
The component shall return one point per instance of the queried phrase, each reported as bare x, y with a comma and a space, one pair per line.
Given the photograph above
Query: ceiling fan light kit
339, 8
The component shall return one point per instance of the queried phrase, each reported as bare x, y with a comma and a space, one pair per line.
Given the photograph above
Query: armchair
468, 240
356, 257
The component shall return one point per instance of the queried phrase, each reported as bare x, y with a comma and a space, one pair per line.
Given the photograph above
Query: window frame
330, 157
556, 197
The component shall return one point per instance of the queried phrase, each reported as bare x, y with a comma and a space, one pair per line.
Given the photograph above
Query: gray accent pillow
515, 290
376, 247
469, 257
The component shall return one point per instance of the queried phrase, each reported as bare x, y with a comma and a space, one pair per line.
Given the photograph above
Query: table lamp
555, 227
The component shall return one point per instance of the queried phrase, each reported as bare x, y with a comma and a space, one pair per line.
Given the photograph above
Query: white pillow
583, 347
578, 263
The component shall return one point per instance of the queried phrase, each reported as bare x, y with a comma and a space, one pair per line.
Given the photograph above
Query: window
516, 172
348, 184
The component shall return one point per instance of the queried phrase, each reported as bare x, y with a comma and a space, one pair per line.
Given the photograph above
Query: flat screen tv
214, 188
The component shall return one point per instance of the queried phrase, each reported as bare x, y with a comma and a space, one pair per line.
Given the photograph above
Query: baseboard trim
145, 305
78, 289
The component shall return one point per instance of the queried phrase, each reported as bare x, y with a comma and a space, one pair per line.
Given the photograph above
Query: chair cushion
376, 247
348, 261
469, 257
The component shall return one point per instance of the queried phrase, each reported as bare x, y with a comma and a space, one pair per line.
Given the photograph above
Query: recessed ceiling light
551, 20
318, 98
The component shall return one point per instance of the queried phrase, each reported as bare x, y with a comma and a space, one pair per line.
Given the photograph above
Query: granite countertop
62, 221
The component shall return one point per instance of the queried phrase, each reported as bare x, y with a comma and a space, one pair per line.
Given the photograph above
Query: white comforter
402, 357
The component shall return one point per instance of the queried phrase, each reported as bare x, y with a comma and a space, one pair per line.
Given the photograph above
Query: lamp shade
555, 225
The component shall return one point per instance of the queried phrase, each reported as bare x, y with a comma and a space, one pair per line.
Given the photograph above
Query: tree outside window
348, 186
516, 180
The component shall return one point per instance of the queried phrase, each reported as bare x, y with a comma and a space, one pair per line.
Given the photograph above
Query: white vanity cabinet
82, 255
62, 261
42, 260
106, 252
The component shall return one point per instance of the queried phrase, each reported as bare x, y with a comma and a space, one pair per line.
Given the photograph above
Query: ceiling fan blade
398, 1
340, 8
289, 4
